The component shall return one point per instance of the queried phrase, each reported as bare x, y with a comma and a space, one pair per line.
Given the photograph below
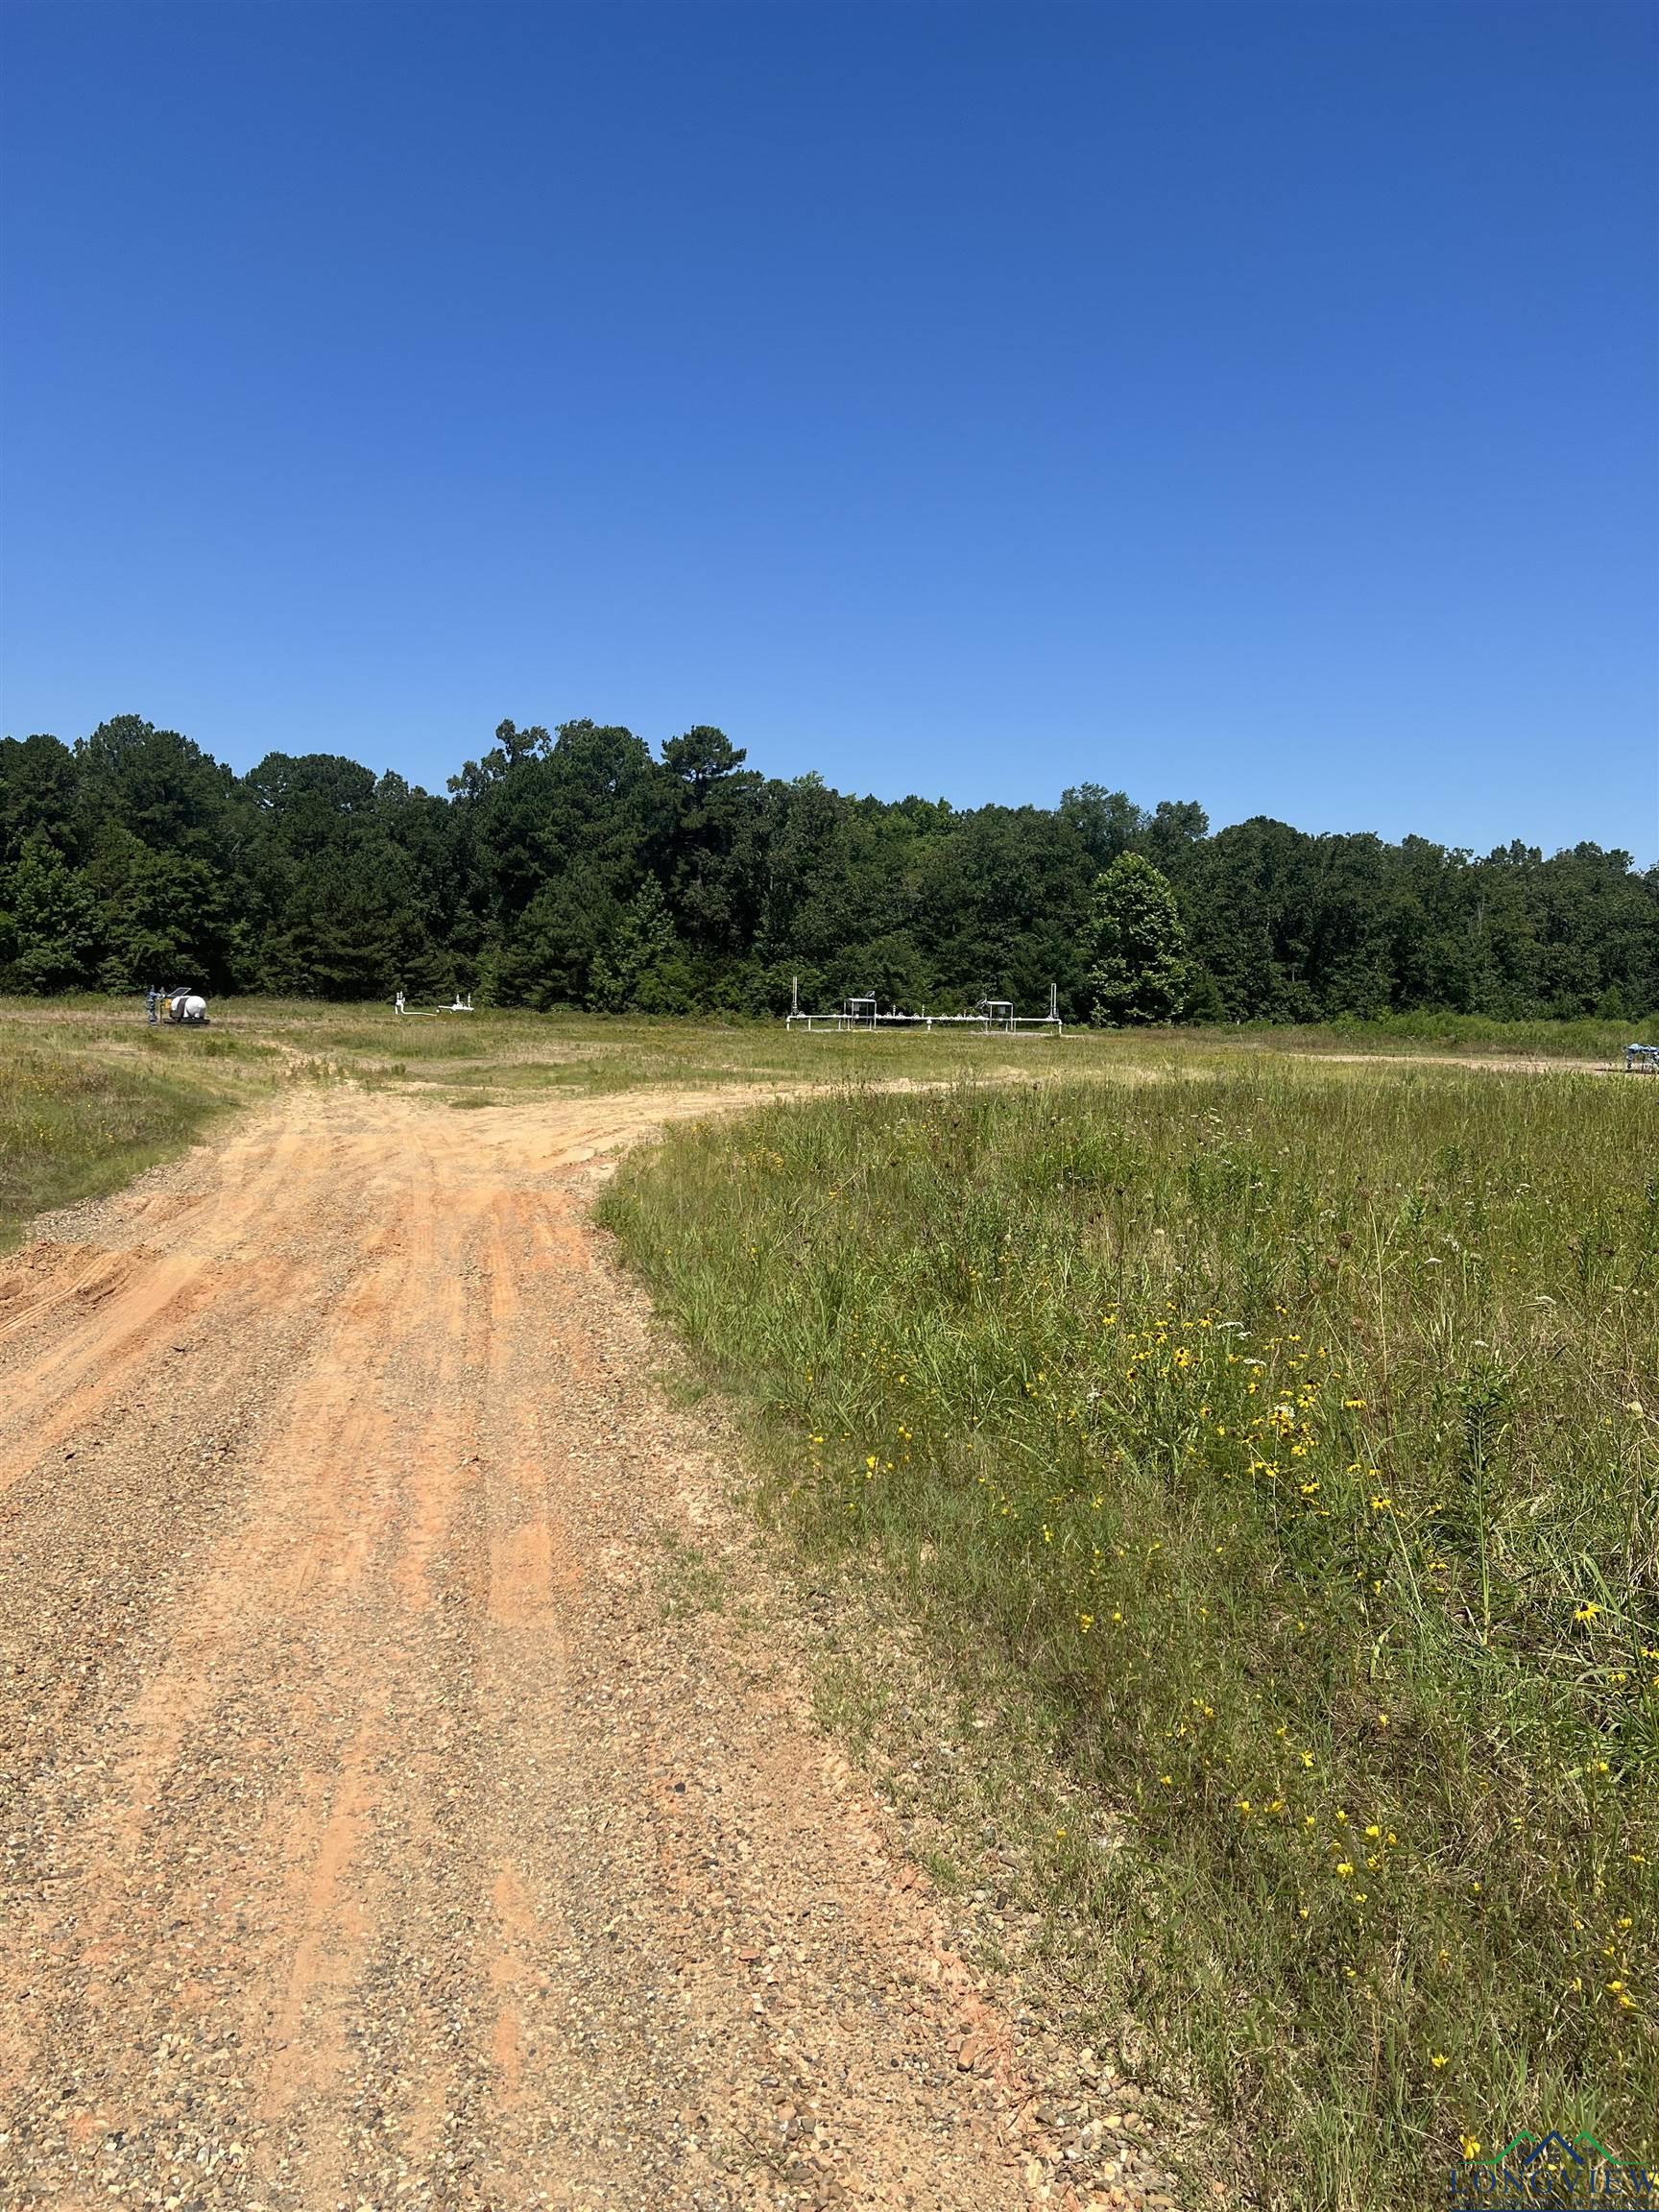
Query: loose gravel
383, 1826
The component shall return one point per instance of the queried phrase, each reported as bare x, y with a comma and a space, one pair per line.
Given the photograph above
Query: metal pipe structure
992, 1018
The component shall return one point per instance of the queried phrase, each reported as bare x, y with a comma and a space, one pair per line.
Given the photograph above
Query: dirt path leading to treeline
378, 1832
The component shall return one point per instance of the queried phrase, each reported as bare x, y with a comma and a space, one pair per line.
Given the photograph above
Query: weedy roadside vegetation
1279, 1445
84, 1045
70, 1128
90, 1093
1475, 1035
90, 1096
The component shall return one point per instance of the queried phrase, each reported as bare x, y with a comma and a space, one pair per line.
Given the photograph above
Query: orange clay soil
374, 1836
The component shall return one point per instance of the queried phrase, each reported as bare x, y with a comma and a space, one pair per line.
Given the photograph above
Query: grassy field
1465, 1035
1276, 1446
90, 1093
72, 1125
1270, 1445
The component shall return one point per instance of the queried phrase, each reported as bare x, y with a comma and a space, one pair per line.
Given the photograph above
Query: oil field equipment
990, 1017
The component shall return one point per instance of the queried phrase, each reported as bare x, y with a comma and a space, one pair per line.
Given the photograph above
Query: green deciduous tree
1139, 970
575, 868
53, 919
640, 968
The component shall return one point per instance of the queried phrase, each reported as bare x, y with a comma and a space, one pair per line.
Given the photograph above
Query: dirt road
379, 1831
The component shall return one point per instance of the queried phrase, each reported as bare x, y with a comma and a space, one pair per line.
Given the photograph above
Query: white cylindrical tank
194, 1008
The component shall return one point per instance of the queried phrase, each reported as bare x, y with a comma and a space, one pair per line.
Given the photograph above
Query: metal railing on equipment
991, 1017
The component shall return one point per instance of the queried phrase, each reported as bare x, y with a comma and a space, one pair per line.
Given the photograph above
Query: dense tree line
577, 869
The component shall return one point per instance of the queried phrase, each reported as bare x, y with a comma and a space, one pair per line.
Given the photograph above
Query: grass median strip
1283, 1442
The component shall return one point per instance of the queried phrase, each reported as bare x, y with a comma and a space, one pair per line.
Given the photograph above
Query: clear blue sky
1244, 402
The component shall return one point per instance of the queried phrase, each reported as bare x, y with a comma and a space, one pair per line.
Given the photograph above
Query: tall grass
1590, 1037
1287, 1440
74, 1125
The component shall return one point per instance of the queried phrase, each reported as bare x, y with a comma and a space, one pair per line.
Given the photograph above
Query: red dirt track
376, 1834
